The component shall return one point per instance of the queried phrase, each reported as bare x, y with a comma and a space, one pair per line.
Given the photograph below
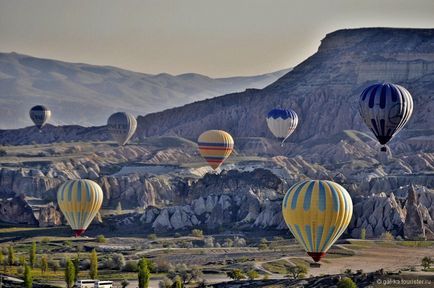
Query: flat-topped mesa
380, 40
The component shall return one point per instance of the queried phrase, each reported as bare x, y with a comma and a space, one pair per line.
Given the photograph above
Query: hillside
323, 89
86, 95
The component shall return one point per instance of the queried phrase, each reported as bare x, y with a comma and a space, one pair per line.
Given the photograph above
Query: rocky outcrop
16, 211
30, 211
418, 222
330, 80
377, 215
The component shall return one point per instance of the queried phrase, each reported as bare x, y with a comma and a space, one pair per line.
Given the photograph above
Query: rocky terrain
83, 94
171, 188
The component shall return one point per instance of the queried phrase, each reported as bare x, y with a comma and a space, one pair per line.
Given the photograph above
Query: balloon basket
315, 265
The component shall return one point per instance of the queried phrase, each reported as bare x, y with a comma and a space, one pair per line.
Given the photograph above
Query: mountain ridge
85, 94
330, 80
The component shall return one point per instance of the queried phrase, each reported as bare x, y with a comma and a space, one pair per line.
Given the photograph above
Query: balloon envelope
79, 201
385, 108
317, 213
40, 115
121, 126
282, 122
215, 146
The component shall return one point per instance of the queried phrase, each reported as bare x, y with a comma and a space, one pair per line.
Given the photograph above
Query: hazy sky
216, 38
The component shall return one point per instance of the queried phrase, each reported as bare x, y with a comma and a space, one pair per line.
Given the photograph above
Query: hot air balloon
215, 146
40, 115
317, 213
79, 201
121, 126
385, 108
282, 123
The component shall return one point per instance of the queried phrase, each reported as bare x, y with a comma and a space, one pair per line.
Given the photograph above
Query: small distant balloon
282, 123
40, 115
121, 126
385, 108
79, 201
317, 213
215, 146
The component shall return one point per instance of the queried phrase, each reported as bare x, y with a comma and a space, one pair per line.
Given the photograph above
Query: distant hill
323, 90
82, 94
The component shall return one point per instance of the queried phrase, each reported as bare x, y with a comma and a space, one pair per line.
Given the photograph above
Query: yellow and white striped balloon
317, 212
215, 146
79, 201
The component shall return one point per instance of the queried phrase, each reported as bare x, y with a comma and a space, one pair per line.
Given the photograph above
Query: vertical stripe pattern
79, 201
215, 146
40, 115
385, 108
121, 126
317, 212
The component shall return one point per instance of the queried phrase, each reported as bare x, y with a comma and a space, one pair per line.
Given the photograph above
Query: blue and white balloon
282, 122
385, 108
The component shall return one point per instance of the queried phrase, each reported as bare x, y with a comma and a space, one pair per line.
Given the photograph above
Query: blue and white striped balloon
282, 122
385, 108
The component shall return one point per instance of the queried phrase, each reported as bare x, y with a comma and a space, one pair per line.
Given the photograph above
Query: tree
32, 255
426, 262
236, 274
76, 262
44, 264
101, 239
143, 275
178, 282
297, 271
197, 233
125, 283
69, 273
22, 260
11, 255
28, 276
118, 261
346, 283
387, 236
2, 258
363, 234
165, 283
252, 274
93, 270
54, 264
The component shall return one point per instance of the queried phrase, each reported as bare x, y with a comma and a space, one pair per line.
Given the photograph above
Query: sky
218, 38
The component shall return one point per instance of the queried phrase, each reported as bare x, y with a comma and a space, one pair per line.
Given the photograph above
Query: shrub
228, 242
165, 283
297, 271
363, 234
239, 242
117, 261
346, 283
208, 242
152, 237
426, 262
101, 239
130, 266
387, 236
197, 233
125, 283
252, 274
236, 274
262, 246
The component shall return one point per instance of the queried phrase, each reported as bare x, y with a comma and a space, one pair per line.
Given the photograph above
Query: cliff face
323, 90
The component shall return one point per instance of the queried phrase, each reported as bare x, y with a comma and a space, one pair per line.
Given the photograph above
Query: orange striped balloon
215, 146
